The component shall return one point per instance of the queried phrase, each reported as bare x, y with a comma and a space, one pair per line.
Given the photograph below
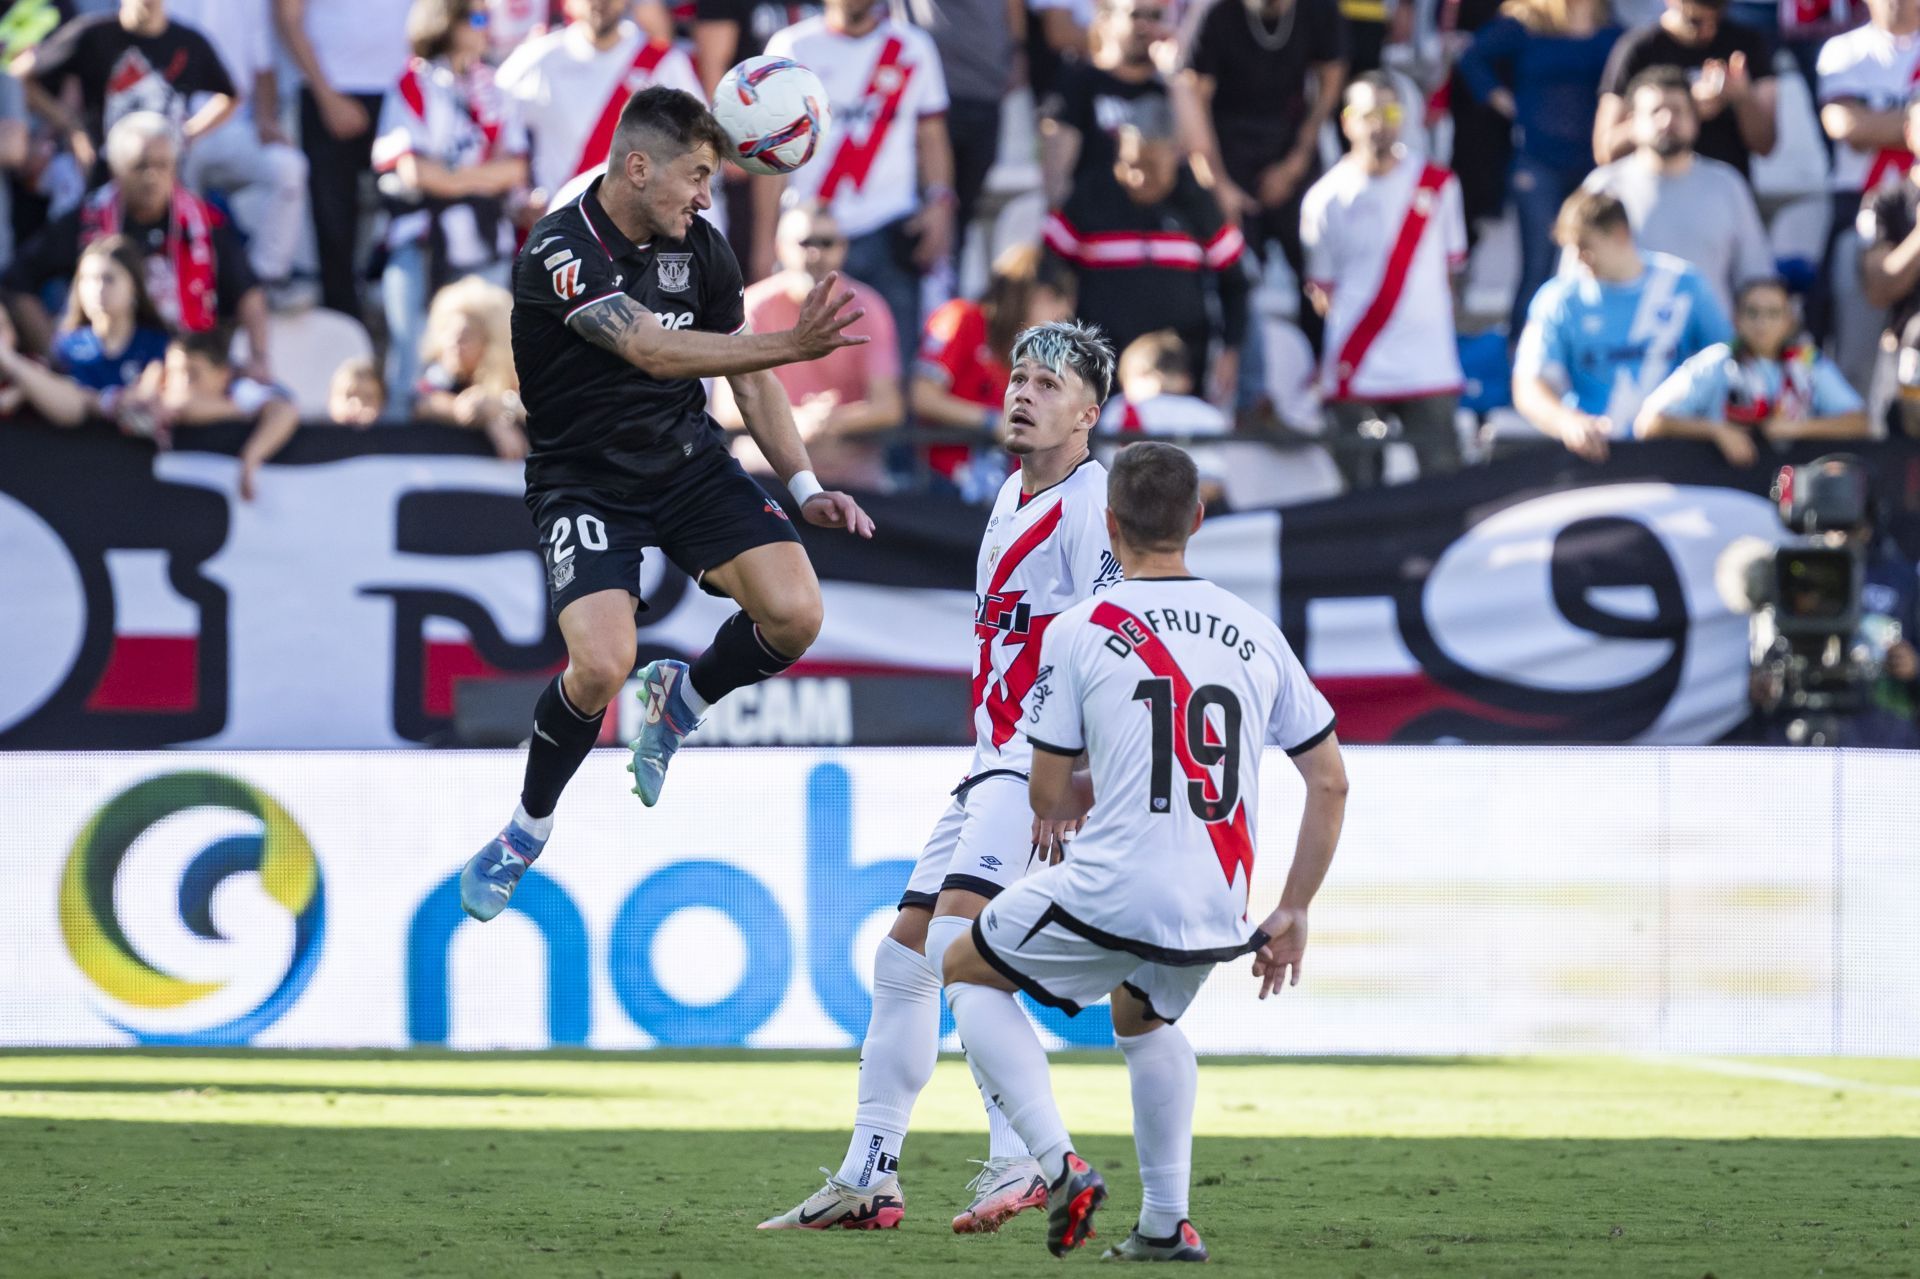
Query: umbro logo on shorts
990, 862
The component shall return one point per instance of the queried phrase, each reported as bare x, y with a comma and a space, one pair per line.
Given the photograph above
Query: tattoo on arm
610, 322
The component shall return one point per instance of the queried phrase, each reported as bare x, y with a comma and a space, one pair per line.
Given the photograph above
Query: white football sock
1165, 1078
1006, 1053
942, 932
896, 1061
541, 828
1002, 1141
691, 696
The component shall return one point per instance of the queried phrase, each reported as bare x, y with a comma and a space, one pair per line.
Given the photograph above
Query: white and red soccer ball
774, 112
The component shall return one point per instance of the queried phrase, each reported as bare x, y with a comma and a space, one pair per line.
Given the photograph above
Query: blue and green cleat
488, 880
665, 726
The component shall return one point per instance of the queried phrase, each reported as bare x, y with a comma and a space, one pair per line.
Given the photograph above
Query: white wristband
804, 487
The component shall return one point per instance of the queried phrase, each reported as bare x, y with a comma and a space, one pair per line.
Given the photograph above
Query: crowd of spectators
1273, 206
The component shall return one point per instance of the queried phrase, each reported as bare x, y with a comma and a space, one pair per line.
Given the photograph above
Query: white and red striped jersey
1880, 71
455, 120
1385, 248
1042, 554
570, 94
880, 86
1171, 686
1164, 414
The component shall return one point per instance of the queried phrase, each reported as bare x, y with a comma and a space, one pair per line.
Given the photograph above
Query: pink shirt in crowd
847, 372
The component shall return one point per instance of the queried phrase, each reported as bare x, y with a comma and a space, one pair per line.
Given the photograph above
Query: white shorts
1028, 938
982, 843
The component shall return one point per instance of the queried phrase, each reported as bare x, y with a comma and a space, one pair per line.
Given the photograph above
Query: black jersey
592, 417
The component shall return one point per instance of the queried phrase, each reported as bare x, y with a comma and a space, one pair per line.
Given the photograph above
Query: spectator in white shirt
570, 84
250, 156
450, 150
1866, 77
350, 52
886, 170
1383, 233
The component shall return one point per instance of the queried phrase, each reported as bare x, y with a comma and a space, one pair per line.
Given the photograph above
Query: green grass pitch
654, 1165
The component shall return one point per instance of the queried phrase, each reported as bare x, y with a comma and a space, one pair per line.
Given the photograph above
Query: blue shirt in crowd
79, 353
1607, 346
1715, 386
1555, 81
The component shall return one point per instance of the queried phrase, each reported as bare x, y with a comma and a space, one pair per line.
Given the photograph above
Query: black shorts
703, 515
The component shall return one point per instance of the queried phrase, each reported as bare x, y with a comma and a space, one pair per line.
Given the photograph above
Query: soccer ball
774, 111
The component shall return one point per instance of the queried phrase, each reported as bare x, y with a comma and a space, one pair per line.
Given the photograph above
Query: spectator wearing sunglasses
845, 401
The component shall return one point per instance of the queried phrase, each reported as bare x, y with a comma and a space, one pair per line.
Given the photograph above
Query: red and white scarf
194, 305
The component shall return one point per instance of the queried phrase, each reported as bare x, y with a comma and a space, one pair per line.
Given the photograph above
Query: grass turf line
530, 1164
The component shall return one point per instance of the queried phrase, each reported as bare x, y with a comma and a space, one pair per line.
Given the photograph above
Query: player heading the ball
1170, 686
623, 300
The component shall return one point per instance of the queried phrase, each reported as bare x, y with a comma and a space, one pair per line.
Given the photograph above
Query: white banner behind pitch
1484, 900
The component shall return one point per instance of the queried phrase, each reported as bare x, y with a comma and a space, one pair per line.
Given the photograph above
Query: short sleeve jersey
1718, 386
120, 72
593, 418
880, 85
1171, 686
955, 354
81, 356
1043, 553
570, 94
1878, 70
1390, 325
1607, 346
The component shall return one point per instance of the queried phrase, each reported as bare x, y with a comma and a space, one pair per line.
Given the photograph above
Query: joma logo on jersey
1004, 613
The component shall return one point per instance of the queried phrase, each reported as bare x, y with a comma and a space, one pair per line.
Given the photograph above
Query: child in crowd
197, 385
467, 376
357, 396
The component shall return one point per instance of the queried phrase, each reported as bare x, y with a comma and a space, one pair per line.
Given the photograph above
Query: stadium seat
306, 347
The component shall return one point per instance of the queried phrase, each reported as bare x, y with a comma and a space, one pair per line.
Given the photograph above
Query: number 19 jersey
1043, 553
1171, 686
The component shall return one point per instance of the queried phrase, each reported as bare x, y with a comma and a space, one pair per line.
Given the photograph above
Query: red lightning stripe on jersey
1232, 840
888, 84
600, 139
1003, 706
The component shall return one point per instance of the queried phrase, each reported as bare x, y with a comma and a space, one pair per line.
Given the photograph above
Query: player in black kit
623, 301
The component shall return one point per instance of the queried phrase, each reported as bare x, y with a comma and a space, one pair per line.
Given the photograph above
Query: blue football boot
667, 722
488, 881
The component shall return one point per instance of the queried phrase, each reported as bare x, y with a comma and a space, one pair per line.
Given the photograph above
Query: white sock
691, 696
1002, 1141
942, 932
541, 828
1165, 1077
1007, 1054
896, 1061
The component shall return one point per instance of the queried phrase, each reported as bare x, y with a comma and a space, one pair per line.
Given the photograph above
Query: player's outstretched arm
768, 416
1277, 963
621, 325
